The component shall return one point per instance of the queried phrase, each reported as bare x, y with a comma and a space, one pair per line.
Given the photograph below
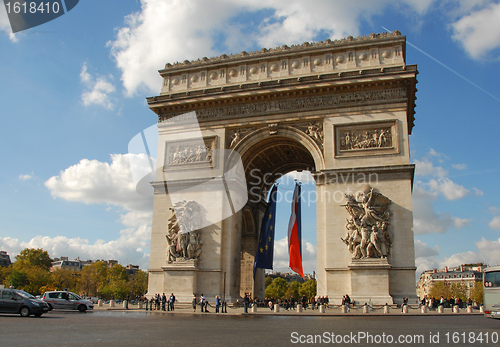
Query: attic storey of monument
340, 109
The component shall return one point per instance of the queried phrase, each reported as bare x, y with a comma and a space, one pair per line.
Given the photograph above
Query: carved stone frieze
190, 152
314, 129
236, 135
296, 104
184, 154
183, 233
365, 138
367, 235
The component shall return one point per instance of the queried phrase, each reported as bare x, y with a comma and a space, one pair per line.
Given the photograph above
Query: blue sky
74, 94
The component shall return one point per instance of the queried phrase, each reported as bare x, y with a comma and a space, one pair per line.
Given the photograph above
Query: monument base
370, 281
180, 278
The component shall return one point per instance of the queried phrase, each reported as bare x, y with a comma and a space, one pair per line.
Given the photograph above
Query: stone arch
266, 157
274, 155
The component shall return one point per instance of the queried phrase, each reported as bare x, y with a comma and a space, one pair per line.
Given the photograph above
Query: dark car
18, 301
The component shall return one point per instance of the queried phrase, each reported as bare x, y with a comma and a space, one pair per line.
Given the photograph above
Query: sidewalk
332, 311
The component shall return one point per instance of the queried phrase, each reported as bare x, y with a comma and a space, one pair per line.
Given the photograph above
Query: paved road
140, 328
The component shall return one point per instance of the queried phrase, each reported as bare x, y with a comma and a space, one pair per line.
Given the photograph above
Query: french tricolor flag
294, 235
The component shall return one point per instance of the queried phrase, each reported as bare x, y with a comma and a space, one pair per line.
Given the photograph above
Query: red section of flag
294, 253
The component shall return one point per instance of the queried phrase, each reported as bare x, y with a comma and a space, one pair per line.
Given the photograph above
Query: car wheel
82, 308
25, 312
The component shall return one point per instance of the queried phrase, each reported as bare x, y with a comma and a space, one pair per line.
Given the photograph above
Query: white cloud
95, 182
459, 166
97, 89
173, 31
479, 31
281, 256
422, 250
495, 223
426, 220
425, 168
128, 248
460, 222
448, 188
26, 177
477, 192
5, 24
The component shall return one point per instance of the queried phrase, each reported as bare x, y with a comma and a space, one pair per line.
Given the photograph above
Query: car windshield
24, 294
75, 297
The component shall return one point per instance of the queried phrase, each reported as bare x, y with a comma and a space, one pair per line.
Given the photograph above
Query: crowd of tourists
160, 302
291, 303
434, 303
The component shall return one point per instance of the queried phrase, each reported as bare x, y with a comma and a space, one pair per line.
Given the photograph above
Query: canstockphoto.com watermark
359, 337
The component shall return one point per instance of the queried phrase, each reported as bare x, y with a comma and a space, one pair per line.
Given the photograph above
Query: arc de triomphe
341, 109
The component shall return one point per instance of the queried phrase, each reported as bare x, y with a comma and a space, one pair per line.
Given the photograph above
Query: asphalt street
154, 328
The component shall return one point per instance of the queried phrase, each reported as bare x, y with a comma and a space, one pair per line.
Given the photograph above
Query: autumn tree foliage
31, 273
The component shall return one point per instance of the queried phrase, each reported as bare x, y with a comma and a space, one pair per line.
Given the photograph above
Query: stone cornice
374, 38
347, 87
304, 61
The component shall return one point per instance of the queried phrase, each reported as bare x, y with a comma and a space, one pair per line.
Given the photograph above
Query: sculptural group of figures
183, 235
366, 139
184, 154
367, 234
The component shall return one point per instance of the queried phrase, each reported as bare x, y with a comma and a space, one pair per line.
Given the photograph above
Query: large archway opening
266, 159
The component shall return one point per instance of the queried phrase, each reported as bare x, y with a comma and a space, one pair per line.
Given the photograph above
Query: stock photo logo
29, 14
179, 161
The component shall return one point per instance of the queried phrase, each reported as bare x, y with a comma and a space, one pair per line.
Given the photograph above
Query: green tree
4, 274
64, 278
93, 278
308, 288
439, 289
476, 293
292, 289
277, 288
118, 281
459, 290
268, 281
138, 283
36, 257
29, 278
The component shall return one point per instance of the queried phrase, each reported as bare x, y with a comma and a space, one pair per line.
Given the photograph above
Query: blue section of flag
265, 250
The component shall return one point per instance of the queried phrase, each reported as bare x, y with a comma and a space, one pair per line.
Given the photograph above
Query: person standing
202, 303
217, 303
172, 301
312, 300
246, 303
194, 303
163, 301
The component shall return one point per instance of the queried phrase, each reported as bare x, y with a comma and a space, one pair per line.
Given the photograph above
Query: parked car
20, 302
64, 300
